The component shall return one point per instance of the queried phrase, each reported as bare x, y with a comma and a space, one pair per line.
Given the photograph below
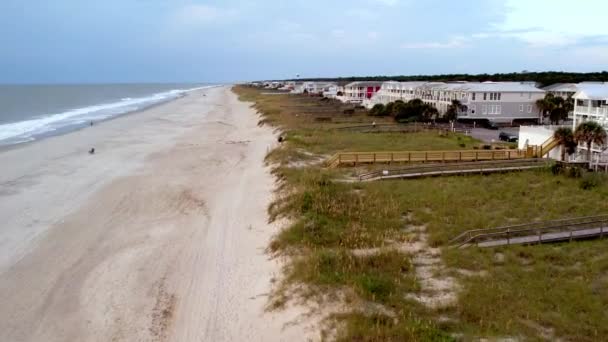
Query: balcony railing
591, 110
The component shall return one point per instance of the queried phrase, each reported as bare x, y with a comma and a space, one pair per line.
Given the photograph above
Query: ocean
33, 112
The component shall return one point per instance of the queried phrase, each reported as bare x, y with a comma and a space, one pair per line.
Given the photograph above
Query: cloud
455, 42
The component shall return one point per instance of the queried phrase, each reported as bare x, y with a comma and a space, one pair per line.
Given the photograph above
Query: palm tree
453, 109
590, 132
565, 138
545, 105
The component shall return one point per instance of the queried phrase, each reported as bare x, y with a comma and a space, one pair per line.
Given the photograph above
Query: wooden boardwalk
356, 158
454, 169
535, 233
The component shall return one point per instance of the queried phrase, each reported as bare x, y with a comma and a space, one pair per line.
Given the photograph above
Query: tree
389, 109
414, 110
590, 132
545, 105
565, 138
377, 110
452, 113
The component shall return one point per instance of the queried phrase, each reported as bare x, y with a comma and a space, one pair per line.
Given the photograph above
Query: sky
87, 41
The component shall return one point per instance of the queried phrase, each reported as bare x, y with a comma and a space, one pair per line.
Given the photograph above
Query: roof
365, 84
562, 87
592, 91
503, 87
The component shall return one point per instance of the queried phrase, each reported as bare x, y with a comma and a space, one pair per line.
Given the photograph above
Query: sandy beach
158, 236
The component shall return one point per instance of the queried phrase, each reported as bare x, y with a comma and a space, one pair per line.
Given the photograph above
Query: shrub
487, 147
591, 180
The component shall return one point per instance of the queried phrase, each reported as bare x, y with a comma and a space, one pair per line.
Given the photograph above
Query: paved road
489, 135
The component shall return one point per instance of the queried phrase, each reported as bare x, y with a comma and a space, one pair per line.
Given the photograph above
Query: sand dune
158, 236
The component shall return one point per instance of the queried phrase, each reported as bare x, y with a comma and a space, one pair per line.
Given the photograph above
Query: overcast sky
68, 41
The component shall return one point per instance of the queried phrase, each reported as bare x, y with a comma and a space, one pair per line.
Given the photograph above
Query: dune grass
529, 293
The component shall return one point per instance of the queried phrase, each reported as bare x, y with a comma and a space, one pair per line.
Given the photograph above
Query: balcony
591, 110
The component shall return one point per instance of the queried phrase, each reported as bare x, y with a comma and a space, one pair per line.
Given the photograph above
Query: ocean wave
27, 130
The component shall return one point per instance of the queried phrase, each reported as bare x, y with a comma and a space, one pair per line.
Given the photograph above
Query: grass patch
539, 292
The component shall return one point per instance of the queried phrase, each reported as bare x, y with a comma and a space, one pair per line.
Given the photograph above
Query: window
473, 97
499, 95
485, 96
521, 107
529, 108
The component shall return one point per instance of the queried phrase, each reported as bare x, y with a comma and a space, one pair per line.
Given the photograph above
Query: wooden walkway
535, 233
453, 169
356, 158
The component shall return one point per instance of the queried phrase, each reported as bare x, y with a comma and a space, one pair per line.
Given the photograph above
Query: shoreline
77, 127
161, 235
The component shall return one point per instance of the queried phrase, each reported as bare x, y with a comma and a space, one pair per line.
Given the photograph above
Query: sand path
159, 236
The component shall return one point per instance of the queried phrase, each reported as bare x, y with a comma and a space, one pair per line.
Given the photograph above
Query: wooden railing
544, 149
426, 170
409, 128
537, 232
354, 158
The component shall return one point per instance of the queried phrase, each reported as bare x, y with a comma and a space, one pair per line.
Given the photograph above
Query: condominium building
495, 101
357, 92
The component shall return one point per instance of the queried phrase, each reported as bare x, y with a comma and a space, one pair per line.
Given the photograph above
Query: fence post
570, 234
409, 157
356, 159
339, 159
392, 157
460, 156
374, 157
426, 157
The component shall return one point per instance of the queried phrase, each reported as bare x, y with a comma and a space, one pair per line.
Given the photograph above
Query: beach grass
533, 292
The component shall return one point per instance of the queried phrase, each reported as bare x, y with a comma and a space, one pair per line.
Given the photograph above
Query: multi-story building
317, 87
494, 101
357, 92
392, 91
590, 103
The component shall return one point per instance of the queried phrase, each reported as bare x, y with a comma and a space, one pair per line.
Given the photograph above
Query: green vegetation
590, 132
544, 78
555, 107
565, 138
344, 240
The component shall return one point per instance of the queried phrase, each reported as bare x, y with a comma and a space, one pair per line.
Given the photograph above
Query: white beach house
358, 92
317, 87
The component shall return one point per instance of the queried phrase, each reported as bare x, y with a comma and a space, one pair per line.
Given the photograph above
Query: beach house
357, 92
317, 87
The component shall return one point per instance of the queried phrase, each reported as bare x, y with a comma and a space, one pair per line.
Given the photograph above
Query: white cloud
455, 42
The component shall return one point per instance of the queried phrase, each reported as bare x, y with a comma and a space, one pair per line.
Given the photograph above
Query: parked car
509, 137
